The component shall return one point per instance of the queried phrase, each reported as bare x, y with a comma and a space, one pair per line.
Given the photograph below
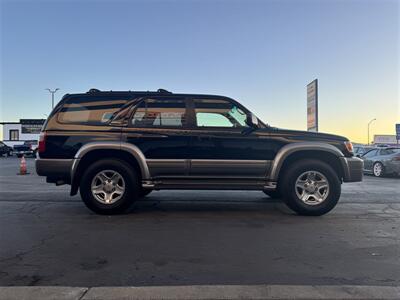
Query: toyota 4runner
116, 147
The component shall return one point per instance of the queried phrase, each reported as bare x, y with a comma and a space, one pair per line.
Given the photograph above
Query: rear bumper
55, 169
352, 169
392, 167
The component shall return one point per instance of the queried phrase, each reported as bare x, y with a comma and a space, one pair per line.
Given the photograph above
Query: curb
204, 292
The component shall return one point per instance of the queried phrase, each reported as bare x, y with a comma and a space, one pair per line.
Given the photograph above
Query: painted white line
205, 292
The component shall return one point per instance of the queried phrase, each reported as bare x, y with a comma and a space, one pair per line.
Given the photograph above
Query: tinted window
218, 113
160, 113
389, 151
371, 153
89, 111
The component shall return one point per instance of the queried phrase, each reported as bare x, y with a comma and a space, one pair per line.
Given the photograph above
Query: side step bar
208, 184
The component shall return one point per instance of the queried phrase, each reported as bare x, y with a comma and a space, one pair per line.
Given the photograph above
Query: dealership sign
32, 126
398, 131
312, 106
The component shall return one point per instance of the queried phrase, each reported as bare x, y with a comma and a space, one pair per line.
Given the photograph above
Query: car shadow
203, 204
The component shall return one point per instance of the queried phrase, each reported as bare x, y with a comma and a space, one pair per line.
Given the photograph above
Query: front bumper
55, 169
352, 169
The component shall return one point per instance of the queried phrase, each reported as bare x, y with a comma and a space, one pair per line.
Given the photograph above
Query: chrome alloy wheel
378, 169
108, 186
312, 187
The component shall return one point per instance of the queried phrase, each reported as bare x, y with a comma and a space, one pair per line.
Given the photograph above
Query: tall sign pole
312, 106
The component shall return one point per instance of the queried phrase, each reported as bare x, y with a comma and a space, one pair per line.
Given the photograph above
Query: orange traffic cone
22, 166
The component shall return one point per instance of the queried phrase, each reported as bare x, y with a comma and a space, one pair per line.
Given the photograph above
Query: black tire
130, 194
382, 169
292, 199
273, 194
144, 192
19, 155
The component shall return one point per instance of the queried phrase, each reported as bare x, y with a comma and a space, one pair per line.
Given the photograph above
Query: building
385, 139
16, 133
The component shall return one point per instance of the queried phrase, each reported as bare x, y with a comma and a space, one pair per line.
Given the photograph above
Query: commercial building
16, 133
385, 139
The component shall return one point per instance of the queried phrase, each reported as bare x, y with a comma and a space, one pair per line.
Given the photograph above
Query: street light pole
52, 96
369, 123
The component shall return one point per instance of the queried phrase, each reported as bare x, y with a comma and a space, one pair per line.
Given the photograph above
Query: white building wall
22, 136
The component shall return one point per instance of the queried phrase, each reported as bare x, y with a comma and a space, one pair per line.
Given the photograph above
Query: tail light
349, 146
42, 142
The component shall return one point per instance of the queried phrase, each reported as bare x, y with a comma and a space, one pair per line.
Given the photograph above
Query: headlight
349, 146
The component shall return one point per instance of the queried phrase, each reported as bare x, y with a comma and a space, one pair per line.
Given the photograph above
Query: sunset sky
262, 53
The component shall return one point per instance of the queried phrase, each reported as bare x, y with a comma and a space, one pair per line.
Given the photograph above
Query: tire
19, 155
378, 170
124, 189
311, 176
273, 194
144, 192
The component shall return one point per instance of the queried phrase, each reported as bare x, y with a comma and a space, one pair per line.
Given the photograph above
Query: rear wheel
109, 186
378, 169
311, 187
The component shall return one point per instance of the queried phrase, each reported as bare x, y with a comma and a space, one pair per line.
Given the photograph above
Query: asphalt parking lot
195, 237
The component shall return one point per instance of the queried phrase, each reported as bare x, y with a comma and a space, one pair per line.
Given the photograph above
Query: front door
158, 127
222, 144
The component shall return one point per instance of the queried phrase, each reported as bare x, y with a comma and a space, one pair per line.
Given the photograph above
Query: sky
261, 53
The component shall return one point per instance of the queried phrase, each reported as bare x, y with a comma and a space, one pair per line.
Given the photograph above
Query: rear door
158, 127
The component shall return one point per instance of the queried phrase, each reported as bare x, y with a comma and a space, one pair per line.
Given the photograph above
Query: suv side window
160, 113
218, 113
89, 111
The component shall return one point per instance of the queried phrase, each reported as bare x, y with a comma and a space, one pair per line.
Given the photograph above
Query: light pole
52, 96
369, 123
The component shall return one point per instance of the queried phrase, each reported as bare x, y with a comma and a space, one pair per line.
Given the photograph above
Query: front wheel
378, 169
311, 187
109, 186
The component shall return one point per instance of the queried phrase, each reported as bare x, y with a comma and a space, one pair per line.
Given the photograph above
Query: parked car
5, 150
33, 145
382, 161
25, 149
361, 150
116, 147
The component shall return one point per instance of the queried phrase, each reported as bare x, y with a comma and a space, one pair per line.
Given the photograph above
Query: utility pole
369, 123
52, 96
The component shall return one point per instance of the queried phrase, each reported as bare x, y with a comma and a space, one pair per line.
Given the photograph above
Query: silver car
382, 161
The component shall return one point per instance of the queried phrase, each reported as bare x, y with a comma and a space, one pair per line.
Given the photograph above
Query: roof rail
93, 91
162, 91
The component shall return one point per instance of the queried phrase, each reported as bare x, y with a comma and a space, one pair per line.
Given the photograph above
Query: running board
208, 184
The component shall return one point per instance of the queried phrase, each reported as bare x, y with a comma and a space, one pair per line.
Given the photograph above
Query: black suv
116, 147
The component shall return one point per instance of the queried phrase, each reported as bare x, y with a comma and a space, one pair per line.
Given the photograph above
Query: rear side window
89, 111
160, 113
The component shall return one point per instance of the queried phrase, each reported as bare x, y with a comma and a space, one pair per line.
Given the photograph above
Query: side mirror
252, 120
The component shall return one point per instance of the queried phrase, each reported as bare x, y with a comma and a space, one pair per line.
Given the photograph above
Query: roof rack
162, 91
93, 91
